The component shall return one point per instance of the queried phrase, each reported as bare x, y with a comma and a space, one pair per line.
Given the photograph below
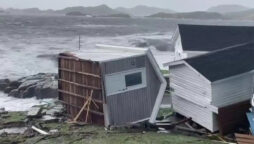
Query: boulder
4, 83
47, 89
29, 92
15, 84
8, 89
42, 85
14, 93
2, 111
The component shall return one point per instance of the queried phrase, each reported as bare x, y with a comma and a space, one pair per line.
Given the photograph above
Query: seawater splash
15, 104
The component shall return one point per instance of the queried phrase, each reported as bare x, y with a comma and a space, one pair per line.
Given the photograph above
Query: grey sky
178, 5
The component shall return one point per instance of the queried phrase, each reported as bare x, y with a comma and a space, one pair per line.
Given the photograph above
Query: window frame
122, 76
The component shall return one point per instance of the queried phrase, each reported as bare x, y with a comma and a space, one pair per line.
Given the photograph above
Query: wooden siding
189, 85
77, 79
233, 90
132, 105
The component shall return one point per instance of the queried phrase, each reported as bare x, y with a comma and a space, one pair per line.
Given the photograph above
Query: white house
205, 84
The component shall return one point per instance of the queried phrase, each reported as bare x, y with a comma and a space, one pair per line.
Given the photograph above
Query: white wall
232, 90
189, 85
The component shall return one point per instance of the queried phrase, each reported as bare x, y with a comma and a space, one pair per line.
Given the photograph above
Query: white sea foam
16, 104
20, 59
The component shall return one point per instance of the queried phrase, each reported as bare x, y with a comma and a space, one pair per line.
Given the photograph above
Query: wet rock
55, 111
2, 111
8, 89
27, 84
29, 92
46, 89
4, 83
42, 85
14, 93
15, 84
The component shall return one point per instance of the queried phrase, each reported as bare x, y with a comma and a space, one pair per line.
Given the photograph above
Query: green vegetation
164, 112
12, 119
97, 135
89, 134
165, 71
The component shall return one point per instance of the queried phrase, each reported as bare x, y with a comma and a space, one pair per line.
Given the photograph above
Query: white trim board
161, 90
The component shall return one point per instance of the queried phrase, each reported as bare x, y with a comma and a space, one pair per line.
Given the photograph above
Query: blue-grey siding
132, 105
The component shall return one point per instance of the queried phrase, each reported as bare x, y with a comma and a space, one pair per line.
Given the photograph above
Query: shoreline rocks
42, 85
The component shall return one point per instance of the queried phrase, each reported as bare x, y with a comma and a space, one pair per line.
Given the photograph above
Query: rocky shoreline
41, 86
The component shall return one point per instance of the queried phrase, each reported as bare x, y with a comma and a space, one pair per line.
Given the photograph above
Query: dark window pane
133, 79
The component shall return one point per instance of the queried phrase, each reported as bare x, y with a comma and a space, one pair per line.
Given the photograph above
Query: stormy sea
30, 44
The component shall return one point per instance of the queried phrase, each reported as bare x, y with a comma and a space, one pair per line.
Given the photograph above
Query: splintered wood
244, 139
80, 89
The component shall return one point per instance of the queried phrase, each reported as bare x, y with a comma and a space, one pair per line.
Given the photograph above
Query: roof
107, 52
209, 38
224, 63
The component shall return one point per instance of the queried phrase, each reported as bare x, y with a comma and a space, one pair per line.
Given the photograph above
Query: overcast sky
177, 5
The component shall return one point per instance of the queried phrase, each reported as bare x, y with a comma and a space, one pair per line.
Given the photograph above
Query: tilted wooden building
123, 85
214, 89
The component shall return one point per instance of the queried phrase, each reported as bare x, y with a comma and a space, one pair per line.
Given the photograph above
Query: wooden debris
172, 125
190, 130
86, 104
244, 139
40, 131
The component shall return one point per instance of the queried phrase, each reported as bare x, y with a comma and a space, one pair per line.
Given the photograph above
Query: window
133, 79
124, 81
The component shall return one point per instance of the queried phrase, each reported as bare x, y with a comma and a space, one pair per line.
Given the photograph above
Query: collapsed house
193, 40
214, 89
110, 85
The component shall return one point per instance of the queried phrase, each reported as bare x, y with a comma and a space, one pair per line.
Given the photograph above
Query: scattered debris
40, 131
244, 139
35, 111
18, 130
2, 111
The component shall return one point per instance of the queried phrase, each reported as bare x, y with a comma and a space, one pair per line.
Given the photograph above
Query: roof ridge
219, 50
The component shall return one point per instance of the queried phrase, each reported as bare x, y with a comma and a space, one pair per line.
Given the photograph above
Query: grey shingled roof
210, 38
224, 63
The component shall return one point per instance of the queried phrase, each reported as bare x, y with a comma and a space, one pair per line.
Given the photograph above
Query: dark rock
14, 93
15, 84
2, 111
29, 92
46, 89
8, 89
4, 83
42, 86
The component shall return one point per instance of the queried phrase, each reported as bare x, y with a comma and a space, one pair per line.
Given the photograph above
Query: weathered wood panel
77, 78
244, 139
132, 105
233, 116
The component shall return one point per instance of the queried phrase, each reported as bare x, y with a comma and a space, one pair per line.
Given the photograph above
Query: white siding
233, 90
179, 54
189, 85
199, 114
